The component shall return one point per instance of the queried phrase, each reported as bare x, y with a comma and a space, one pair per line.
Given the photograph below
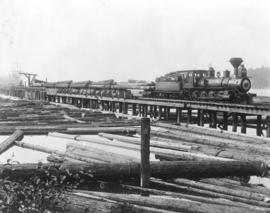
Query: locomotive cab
195, 78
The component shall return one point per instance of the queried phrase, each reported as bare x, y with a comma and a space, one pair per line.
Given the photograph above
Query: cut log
153, 143
166, 203
54, 151
136, 147
115, 206
9, 142
219, 142
223, 190
97, 154
45, 128
232, 184
207, 193
202, 199
93, 130
215, 132
53, 158
79, 204
73, 119
162, 169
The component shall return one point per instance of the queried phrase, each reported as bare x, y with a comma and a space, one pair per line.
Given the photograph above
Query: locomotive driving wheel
195, 95
203, 94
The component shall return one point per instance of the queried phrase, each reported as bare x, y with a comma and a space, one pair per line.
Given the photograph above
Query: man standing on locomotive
243, 71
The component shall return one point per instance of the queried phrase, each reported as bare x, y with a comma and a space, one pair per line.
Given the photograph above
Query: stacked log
215, 143
166, 203
41, 118
94, 131
219, 193
97, 154
183, 155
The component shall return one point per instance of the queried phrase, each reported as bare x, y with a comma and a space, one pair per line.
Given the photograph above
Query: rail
222, 107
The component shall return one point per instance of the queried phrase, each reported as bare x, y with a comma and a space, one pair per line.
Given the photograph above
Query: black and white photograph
140, 106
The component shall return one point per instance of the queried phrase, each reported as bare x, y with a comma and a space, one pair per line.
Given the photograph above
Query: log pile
41, 118
214, 142
201, 170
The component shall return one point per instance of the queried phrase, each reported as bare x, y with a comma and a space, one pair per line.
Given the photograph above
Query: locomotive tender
203, 85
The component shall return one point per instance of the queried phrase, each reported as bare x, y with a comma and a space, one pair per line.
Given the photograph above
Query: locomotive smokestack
236, 63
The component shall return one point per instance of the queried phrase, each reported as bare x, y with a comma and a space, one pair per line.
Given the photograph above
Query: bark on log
202, 199
207, 193
182, 205
53, 158
162, 169
154, 150
102, 204
6, 144
153, 143
219, 142
232, 184
114, 130
52, 127
73, 119
223, 190
215, 132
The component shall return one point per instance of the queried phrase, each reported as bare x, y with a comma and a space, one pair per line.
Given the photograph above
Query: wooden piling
214, 119
225, 120
140, 110
189, 115
198, 117
145, 111
234, 122
243, 123
259, 125
133, 109
268, 126
102, 105
201, 118
166, 113
155, 111
179, 115
145, 152
90, 104
151, 110
120, 107
159, 111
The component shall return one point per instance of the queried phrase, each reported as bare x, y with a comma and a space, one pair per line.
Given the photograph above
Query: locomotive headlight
245, 84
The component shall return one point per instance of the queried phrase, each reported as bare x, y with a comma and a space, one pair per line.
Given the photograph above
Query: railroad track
227, 107
203, 105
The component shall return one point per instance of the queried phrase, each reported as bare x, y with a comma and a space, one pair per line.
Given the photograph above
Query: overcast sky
138, 39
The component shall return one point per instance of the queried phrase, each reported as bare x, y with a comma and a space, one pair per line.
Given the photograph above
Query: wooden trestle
216, 114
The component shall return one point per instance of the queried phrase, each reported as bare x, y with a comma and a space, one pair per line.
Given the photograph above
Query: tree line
260, 77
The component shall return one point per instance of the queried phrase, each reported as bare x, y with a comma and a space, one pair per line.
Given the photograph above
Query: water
261, 92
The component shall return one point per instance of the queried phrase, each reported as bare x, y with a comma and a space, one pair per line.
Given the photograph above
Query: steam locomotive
204, 85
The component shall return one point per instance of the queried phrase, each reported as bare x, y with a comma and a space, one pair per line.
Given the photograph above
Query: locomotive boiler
206, 85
